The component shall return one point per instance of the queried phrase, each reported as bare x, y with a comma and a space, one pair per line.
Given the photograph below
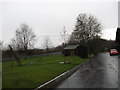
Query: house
77, 50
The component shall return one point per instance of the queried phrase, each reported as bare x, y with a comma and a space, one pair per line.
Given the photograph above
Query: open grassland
35, 71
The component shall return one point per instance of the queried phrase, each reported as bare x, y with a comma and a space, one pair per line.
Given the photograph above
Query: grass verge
36, 71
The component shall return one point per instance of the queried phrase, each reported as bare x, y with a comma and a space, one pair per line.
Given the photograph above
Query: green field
35, 71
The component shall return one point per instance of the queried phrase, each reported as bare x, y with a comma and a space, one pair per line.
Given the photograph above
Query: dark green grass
36, 71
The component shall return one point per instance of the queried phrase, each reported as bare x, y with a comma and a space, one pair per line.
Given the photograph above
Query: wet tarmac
99, 72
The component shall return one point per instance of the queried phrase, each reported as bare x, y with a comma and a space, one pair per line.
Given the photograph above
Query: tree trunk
15, 56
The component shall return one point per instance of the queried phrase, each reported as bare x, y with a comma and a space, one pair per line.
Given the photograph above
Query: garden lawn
35, 71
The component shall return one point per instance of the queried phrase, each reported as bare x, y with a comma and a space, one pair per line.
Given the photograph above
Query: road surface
99, 72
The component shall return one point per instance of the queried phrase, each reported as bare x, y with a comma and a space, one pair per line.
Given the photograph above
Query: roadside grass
36, 71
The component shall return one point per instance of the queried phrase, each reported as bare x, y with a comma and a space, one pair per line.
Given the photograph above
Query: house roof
71, 47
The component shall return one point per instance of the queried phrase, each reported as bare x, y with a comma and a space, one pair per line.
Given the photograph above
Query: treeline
98, 45
21, 53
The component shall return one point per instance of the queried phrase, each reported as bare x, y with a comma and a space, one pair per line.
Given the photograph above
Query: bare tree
64, 39
15, 56
1, 45
72, 39
64, 36
86, 28
47, 44
25, 38
14, 44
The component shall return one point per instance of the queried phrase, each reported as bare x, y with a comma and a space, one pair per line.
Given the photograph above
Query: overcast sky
48, 18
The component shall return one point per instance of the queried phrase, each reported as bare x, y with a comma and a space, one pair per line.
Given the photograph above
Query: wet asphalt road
99, 72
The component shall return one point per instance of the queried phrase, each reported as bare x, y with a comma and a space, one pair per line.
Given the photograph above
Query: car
113, 52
